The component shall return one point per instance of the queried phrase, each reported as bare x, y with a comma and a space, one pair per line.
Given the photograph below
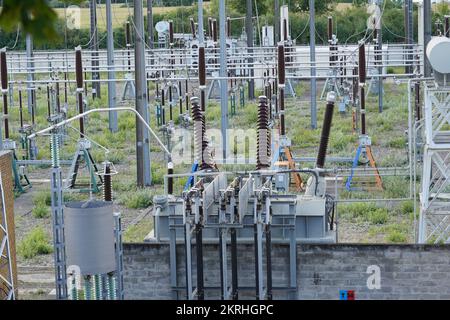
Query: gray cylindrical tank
89, 233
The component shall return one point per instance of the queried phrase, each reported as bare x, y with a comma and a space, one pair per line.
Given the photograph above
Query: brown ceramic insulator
447, 26
325, 136
362, 62
65, 87
107, 183
163, 98
181, 104
210, 27
201, 66
228, 27
170, 179
362, 102
281, 110
285, 31
127, 34
3, 70
20, 108
170, 104
281, 66
417, 100
192, 27
330, 28
33, 106
58, 103
186, 101
214, 23
171, 38
263, 135
78, 68
49, 111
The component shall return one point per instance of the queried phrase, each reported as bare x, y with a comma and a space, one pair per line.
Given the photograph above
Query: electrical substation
246, 198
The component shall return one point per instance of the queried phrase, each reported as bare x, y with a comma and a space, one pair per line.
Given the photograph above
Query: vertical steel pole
223, 80
426, 35
276, 24
150, 23
201, 34
111, 73
144, 177
312, 53
94, 48
30, 70
249, 32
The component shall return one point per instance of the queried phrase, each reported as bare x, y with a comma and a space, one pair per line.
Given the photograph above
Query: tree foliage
35, 17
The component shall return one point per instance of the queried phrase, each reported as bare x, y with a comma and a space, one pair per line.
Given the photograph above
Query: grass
41, 211
138, 199
35, 243
120, 14
137, 232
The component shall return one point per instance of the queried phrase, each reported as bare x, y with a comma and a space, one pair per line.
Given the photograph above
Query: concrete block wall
8, 187
406, 271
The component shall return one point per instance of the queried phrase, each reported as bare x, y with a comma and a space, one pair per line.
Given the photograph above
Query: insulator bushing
281, 66
171, 32
107, 183
3, 70
417, 99
228, 27
201, 66
170, 179
330, 28
201, 149
78, 68
263, 135
326, 127
447, 26
214, 23
362, 62
285, 30
128, 34
192, 27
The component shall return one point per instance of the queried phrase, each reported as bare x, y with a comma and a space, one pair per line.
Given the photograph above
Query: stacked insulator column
202, 154
326, 127
192, 28
4, 83
281, 86
263, 135
202, 76
362, 83
107, 182
79, 78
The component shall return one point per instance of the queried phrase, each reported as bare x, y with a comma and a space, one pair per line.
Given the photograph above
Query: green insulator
54, 148
74, 293
98, 287
111, 287
87, 288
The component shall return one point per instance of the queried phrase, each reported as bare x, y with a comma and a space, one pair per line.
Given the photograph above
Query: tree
35, 17
321, 6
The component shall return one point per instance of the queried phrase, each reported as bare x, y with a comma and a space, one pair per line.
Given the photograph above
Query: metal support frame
83, 154
312, 59
7, 284
113, 126
434, 221
58, 234
143, 166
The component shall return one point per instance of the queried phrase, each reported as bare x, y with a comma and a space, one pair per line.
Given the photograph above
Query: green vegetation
41, 211
35, 243
137, 232
138, 199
